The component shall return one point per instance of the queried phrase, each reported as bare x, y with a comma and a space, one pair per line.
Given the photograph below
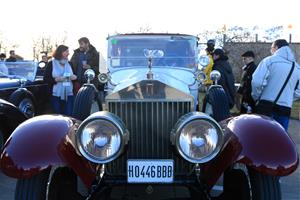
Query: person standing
245, 89
209, 51
227, 79
12, 56
275, 83
59, 75
85, 57
2, 57
3, 68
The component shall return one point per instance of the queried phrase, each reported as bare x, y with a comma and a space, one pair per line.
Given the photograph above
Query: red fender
42, 142
256, 141
267, 147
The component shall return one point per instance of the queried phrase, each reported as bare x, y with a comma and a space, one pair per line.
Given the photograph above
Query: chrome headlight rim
200, 76
186, 120
116, 122
103, 78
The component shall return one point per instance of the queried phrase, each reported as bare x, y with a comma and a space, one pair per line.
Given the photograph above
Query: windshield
26, 70
128, 51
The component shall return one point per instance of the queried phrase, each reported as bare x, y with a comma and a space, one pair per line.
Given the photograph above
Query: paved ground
290, 185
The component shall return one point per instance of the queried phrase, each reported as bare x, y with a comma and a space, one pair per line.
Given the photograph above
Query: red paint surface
256, 141
42, 142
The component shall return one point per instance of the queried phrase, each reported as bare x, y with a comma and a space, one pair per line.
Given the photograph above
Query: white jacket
271, 74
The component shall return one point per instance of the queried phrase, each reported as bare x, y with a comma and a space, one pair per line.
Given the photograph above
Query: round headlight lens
100, 140
103, 78
198, 138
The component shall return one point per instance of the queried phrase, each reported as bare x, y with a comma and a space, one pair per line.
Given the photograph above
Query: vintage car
148, 138
22, 94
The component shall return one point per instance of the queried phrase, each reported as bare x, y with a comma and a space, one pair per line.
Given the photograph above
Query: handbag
267, 107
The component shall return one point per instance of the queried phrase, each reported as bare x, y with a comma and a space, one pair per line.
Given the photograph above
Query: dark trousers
281, 119
61, 106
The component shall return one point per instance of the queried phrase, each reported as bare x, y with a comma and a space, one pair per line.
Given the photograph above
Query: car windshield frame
19, 70
128, 50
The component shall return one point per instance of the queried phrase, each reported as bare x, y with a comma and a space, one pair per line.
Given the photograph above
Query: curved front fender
256, 141
42, 142
266, 146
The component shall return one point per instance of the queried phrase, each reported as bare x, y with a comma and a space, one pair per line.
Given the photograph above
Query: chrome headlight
103, 78
200, 76
197, 137
102, 137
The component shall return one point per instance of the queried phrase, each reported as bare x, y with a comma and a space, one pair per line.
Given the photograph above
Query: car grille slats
149, 124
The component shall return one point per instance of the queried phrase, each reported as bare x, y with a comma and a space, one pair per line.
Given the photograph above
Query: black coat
227, 79
92, 60
245, 88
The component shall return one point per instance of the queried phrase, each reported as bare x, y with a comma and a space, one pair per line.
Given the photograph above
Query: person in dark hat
247, 102
209, 51
227, 79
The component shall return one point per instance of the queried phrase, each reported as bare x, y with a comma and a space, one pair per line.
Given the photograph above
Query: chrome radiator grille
149, 124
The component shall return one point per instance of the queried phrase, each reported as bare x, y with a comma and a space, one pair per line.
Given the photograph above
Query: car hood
8, 83
176, 78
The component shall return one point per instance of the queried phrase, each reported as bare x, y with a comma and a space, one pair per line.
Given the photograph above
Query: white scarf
62, 89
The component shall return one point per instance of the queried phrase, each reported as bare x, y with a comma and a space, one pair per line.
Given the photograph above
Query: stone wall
261, 50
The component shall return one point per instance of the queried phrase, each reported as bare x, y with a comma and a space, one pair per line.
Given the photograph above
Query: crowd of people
65, 77
268, 88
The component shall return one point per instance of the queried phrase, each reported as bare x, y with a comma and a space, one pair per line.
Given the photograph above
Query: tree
3, 45
144, 29
273, 33
44, 45
240, 34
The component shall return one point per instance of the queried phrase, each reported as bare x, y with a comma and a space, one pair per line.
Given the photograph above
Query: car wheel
24, 102
86, 102
249, 184
215, 103
56, 184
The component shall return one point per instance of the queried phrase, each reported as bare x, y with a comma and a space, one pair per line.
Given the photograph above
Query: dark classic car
21, 91
149, 139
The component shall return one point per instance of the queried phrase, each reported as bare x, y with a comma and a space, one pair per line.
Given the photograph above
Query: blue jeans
61, 106
283, 120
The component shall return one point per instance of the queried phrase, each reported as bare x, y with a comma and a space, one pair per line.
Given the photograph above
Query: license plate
150, 171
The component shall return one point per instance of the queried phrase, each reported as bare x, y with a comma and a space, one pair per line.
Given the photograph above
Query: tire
58, 184
33, 188
24, 101
215, 103
87, 101
264, 186
251, 185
